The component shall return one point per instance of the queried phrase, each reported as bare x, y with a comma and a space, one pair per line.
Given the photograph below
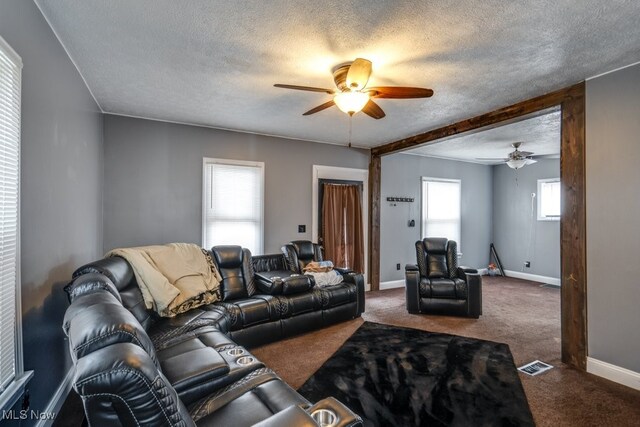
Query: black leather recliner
299, 253
436, 285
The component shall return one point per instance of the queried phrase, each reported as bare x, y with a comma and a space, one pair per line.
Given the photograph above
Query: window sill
549, 218
10, 396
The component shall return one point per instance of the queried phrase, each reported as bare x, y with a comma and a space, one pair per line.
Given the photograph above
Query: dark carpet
393, 376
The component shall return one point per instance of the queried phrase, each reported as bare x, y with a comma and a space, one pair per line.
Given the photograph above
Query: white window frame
539, 202
210, 160
15, 387
423, 205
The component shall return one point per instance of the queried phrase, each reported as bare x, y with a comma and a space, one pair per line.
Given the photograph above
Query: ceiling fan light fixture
351, 102
517, 163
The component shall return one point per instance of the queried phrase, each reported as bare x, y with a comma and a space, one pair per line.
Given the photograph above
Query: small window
549, 199
233, 203
441, 208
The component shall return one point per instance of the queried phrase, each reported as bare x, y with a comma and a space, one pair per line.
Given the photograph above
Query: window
441, 208
233, 203
11, 372
549, 199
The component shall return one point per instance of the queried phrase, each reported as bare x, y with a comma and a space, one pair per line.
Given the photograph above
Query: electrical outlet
398, 266
527, 264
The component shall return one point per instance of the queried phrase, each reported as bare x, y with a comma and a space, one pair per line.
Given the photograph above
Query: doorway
571, 102
341, 175
340, 228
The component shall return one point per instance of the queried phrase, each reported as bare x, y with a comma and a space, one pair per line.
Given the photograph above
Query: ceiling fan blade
358, 74
320, 108
525, 153
546, 156
399, 92
307, 88
372, 109
502, 159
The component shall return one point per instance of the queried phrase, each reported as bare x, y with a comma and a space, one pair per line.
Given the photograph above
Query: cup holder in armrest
324, 417
245, 360
235, 351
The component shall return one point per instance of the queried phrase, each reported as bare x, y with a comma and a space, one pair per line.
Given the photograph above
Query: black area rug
394, 376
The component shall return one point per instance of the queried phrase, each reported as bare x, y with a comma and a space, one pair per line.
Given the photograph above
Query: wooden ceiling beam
499, 116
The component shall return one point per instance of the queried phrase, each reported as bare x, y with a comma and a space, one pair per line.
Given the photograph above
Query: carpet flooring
522, 314
393, 376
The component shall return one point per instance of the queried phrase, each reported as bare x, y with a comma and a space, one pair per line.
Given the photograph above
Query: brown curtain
342, 226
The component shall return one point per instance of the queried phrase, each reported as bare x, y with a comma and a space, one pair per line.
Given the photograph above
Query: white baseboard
533, 277
54, 405
392, 284
613, 373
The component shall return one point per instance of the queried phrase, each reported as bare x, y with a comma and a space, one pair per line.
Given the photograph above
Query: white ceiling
214, 62
539, 135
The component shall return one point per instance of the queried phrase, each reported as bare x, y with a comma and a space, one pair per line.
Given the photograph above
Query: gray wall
61, 188
512, 220
153, 180
613, 217
401, 176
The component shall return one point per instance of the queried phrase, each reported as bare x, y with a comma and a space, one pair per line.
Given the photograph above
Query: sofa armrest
343, 271
191, 370
292, 416
412, 288
283, 282
463, 269
297, 283
344, 416
270, 282
358, 280
474, 290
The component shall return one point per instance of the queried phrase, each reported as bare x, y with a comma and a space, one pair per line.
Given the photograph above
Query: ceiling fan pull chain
350, 126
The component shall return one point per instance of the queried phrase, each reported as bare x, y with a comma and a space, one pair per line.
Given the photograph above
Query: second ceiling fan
517, 159
352, 94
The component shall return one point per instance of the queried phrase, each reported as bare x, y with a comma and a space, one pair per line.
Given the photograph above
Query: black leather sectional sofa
134, 368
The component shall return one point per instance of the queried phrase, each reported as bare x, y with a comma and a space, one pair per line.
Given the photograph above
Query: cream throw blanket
173, 278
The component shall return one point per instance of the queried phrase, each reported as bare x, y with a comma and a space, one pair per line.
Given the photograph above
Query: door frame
573, 229
347, 174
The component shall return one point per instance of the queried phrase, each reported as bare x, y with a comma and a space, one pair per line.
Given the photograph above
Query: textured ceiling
539, 135
214, 62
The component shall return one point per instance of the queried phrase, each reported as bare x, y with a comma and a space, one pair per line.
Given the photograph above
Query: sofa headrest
115, 268
97, 324
436, 245
90, 283
228, 256
304, 249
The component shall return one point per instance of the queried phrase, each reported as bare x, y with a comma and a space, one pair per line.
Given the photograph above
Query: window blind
441, 209
10, 87
233, 204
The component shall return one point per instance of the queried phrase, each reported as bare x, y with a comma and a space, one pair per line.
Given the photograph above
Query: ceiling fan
352, 94
517, 159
